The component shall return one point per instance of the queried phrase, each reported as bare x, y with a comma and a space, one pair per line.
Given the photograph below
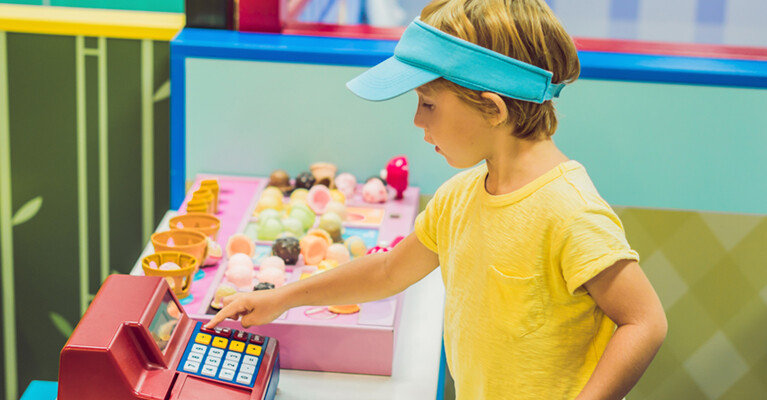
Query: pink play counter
312, 338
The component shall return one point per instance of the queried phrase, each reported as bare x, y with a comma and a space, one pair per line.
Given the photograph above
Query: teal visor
425, 53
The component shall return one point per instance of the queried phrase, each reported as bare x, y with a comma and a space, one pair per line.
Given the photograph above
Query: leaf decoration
27, 211
163, 92
61, 324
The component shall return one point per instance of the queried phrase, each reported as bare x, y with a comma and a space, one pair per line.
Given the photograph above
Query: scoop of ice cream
273, 262
338, 252
271, 275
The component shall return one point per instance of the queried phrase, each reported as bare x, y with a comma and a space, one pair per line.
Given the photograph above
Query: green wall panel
42, 85
43, 163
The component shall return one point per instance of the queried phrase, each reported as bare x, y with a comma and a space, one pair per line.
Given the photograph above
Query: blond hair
526, 30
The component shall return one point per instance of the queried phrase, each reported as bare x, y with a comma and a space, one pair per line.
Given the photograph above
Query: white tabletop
416, 370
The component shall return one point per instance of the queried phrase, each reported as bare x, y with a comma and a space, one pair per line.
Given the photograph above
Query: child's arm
367, 278
623, 292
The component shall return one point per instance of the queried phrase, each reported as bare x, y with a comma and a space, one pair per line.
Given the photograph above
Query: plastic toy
313, 249
332, 224
240, 259
288, 249
280, 179
337, 208
271, 275
213, 186
223, 290
344, 309
240, 244
338, 252
318, 198
273, 262
356, 246
346, 183
240, 275
397, 175
135, 341
305, 180
206, 223
374, 191
183, 240
176, 267
323, 173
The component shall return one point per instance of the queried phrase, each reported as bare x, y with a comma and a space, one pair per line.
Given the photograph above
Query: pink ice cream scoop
346, 184
273, 262
241, 275
374, 192
272, 275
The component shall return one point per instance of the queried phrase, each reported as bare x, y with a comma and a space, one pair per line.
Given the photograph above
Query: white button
250, 360
216, 352
197, 357
244, 378
248, 368
213, 361
233, 356
198, 348
191, 366
230, 364
226, 374
209, 370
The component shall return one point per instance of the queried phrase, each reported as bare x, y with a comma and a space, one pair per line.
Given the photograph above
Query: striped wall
84, 119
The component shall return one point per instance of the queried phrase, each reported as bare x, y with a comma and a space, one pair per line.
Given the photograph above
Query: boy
536, 266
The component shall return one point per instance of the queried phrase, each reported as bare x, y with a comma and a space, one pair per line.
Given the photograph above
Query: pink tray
357, 343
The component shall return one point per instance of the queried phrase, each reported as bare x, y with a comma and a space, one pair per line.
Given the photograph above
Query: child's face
458, 132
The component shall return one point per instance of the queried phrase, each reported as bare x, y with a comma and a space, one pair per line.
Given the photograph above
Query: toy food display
240, 244
323, 173
183, 240
313, 248
177, 268
241, 276
271, 275
273, 262
346, 183
318, 198
338, 252
337, 208
206, 223
280, 179
374, 191
332, 224
240, 259
305, 180
288, 249
356, 246
223, 290
264, 286
215, 253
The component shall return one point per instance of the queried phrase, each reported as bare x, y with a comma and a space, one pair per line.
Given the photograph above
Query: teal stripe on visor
425, 53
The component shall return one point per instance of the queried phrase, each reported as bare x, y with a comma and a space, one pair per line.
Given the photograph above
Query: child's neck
518, 162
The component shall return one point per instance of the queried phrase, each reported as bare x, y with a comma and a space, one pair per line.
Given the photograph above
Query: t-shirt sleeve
590, 242
426, 224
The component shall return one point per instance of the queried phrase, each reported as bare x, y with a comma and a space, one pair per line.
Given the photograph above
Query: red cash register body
129, 345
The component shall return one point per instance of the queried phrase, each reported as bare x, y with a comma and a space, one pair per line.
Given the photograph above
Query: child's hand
256, 308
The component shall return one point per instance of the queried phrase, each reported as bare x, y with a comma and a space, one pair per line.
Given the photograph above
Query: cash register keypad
224, 354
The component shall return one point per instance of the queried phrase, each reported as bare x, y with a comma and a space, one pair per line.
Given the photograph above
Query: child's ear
502, 112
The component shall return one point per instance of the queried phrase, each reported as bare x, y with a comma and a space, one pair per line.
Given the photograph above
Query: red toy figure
396, 175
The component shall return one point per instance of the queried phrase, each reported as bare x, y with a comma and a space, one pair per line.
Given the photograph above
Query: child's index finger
216, 320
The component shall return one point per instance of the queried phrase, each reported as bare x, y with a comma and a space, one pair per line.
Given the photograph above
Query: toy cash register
136, 342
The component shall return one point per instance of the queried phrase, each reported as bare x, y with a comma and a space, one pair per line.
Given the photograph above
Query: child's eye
427, 106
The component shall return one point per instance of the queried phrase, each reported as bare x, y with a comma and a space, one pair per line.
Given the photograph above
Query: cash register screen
165, 321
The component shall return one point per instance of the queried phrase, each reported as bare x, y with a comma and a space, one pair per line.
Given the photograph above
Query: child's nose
418, 119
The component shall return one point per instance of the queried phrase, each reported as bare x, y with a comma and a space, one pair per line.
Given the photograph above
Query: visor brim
389, 79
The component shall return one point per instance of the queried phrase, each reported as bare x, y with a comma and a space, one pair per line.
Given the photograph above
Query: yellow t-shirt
518, 322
